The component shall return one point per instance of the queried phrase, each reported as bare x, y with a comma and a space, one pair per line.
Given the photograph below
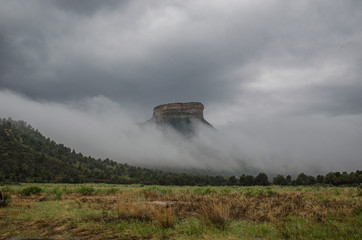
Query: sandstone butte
179, 114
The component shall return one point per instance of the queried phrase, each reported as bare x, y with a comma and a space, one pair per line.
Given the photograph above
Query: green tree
320, 179
289, 180
232, 181
249, 180
261, 179
280, 180
304, 179
246, 180
330, 178
242, 180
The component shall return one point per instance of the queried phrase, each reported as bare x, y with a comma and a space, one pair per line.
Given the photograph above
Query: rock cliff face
181, 116
178, 110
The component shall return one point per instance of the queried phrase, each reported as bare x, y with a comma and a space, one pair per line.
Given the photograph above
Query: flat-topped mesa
170, 111
181, 116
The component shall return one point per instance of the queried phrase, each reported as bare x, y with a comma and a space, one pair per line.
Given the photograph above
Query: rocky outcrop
180, 115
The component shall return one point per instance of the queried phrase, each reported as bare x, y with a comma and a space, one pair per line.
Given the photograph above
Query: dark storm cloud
335, 100
174, 68
88, 7
137, 52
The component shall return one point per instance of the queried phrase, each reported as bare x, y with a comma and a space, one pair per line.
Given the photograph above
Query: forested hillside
27, 156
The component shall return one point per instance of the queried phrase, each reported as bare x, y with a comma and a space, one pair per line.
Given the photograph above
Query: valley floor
100, 211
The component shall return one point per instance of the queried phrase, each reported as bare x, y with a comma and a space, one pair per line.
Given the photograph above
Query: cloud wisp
102, 128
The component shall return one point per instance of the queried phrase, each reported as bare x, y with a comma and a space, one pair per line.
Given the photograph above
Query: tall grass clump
165, 217
135, 211
359, 190
192, 227
218, 213
55, 194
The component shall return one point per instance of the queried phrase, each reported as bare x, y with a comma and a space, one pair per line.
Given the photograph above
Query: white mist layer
102, 128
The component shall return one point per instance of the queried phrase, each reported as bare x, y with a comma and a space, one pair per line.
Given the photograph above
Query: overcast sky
281, 80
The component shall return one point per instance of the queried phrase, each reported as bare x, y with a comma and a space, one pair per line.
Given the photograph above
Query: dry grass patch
217, 212
162, 215
236, 206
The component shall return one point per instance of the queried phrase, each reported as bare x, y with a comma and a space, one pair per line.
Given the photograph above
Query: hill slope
27, 156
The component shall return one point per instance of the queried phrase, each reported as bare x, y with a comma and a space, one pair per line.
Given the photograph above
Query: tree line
27, 156
331, 178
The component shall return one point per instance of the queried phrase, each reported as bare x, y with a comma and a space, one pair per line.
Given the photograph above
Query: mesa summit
181, 116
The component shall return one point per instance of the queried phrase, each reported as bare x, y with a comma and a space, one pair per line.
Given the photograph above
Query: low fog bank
288, 145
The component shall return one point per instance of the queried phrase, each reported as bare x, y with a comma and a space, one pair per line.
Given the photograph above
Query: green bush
86, 190
31, 190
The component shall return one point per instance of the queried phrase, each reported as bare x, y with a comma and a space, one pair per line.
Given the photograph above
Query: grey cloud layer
149, 53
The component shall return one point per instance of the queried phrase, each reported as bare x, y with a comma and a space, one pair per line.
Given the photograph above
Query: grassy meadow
100, 211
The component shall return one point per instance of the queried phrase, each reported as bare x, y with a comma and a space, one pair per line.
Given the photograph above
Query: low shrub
6, 200
86, 190
31, 190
